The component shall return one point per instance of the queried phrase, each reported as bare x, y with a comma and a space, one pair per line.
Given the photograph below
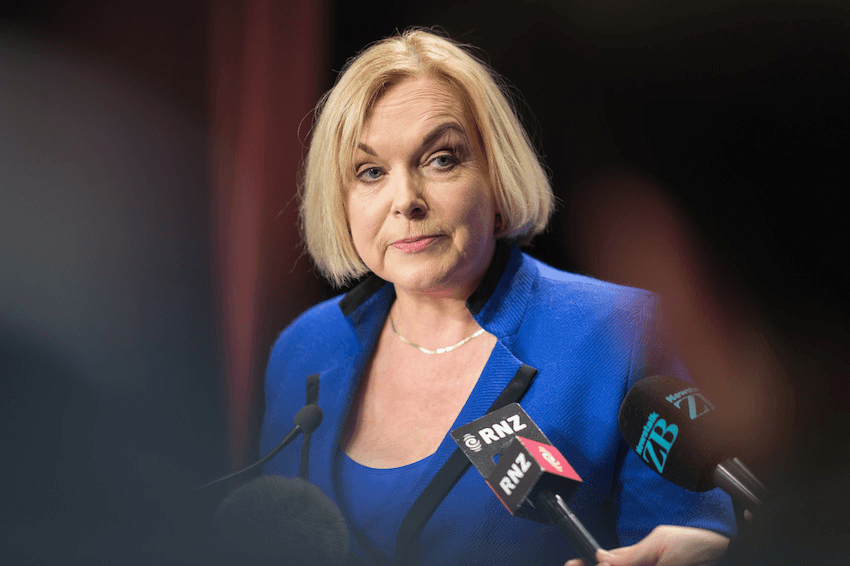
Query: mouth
412, 245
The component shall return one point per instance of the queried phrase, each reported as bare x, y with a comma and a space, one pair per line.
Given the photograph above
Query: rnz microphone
674, 428
527, 473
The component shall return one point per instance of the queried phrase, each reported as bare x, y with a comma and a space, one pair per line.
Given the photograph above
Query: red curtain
266, 67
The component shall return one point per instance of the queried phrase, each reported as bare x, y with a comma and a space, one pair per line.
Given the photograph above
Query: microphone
527, 473
280, 521
673, 427
306, 421
312, 399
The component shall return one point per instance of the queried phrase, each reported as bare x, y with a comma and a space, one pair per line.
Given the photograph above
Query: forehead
414, 105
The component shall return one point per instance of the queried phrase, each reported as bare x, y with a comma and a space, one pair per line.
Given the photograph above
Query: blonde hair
520, 186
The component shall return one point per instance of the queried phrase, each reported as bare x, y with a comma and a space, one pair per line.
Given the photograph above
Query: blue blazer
589, 342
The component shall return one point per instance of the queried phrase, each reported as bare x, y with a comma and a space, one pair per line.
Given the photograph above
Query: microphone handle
570, 525
749, 478
726, 478
290, 436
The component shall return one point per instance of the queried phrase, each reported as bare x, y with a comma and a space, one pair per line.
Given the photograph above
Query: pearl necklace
477, 333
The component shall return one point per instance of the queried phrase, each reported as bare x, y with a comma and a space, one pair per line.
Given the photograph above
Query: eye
370, 174
445, 160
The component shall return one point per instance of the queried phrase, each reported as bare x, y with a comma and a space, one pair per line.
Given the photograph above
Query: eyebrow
432, 136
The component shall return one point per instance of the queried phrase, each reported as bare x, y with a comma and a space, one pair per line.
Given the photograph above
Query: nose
408, 198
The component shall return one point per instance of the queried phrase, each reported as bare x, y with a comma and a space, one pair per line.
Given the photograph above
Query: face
420, 209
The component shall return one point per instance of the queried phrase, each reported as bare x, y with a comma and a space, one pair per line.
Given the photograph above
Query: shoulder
557, 290
314, 335
621, 325
601, 324
322, 319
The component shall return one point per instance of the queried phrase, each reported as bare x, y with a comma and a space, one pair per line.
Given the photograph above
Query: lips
412, 245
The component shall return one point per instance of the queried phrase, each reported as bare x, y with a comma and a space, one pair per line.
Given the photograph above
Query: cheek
355, 228
361, 224
480, 212
477, 220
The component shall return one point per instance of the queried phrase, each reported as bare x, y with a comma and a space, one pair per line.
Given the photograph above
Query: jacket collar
498, 305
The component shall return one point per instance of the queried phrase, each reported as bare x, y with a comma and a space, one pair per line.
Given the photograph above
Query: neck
436, 319
432, 322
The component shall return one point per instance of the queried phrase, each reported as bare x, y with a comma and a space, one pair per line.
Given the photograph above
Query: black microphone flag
527, 473
526, 459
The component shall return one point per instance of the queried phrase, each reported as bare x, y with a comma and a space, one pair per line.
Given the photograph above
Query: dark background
736, 108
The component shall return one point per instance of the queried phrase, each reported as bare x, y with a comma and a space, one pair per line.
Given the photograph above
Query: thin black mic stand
306, 420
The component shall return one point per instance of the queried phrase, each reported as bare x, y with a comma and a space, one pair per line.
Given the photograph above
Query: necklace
477, 333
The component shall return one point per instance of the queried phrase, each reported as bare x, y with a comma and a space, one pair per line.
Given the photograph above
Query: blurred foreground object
110, 371
727, 205
277, 520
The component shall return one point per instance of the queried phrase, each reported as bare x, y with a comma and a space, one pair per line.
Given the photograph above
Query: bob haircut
519, 183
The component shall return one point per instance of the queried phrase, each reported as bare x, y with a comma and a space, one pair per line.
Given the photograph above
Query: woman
420, 177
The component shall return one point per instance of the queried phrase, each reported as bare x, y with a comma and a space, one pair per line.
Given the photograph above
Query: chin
420, 281
434, 280
436, 270
413, 270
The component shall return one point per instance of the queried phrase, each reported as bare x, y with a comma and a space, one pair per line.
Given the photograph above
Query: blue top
368, 498
590, 341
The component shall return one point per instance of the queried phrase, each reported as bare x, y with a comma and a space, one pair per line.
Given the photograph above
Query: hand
666, 545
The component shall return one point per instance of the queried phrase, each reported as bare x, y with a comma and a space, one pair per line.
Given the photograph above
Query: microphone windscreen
308, 418
281, 521
672, 426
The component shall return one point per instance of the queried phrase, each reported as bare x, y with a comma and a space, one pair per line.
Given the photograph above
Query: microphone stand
306, 421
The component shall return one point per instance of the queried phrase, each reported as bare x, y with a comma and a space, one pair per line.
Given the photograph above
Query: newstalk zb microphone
674, 428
